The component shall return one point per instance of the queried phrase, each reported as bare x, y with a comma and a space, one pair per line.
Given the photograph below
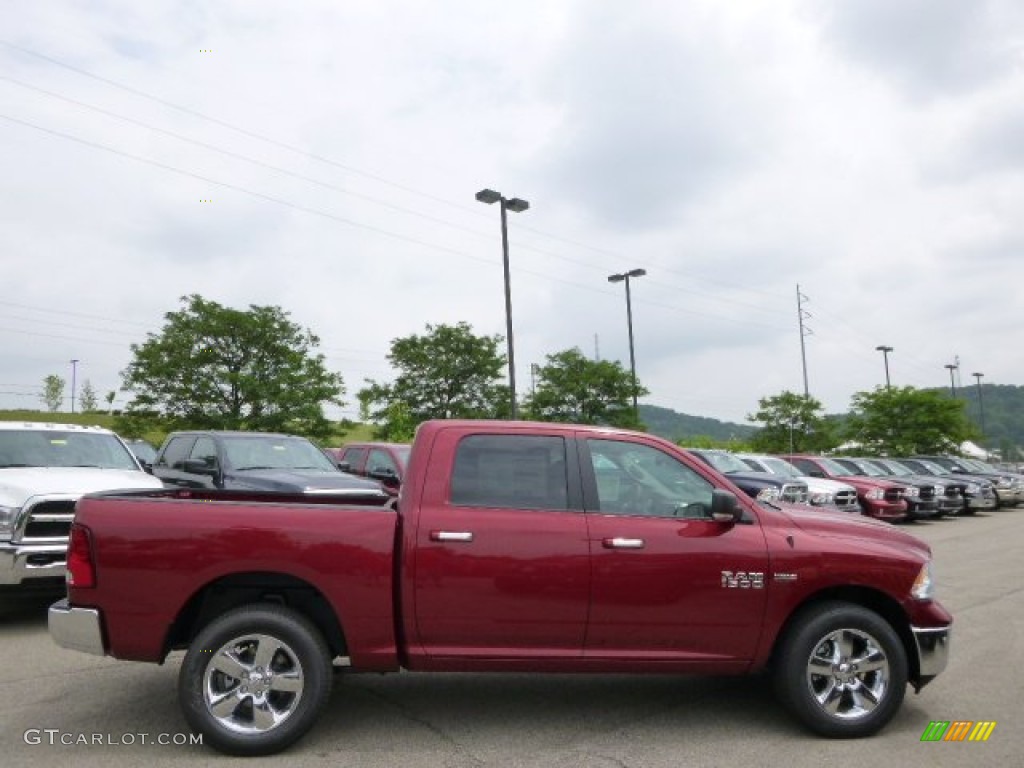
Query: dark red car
384, 462
882, 499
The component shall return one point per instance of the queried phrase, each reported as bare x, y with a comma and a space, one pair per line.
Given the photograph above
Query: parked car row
892, 489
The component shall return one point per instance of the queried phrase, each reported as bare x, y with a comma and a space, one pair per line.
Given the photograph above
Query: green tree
87, 397
110, 400
446, 373
792, 424
902, 421
572, 388
213, 367
53, 392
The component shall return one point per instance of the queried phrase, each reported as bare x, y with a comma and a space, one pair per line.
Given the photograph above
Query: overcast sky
871, 152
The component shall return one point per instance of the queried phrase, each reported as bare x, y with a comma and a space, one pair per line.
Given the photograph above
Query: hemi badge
784, 576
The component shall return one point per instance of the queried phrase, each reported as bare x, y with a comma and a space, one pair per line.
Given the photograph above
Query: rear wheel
255, 680
841, 670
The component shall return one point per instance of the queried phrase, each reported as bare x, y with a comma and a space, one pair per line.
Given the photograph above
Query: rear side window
176, 451
510, 472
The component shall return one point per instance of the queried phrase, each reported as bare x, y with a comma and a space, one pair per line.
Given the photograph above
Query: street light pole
885, 354
981, 403
515, 205
74, 371
624, 277
952, 383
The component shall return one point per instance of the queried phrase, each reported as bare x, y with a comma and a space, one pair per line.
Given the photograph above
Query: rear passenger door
501, 568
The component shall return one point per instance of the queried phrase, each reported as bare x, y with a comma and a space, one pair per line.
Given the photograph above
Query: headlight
821, 499
940, 490
973, 488
768, 494
913, 491
7, 518
875, 494
1003, 482
924, 584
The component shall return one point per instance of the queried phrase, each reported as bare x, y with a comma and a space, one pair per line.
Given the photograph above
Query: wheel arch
872, 599
222, 594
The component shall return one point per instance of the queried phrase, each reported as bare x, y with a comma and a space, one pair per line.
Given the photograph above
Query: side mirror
384, 474
200, 467
146, 466
725, 508
344, 466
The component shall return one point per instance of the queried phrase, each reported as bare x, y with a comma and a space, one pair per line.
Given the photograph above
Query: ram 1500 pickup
514, 546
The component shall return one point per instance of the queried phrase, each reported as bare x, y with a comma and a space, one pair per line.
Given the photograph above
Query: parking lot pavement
49, 695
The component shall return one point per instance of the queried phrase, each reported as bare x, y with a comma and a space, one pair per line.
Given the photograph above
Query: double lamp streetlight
518, 205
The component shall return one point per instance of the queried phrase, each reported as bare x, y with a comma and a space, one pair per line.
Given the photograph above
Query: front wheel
841, 670
255, 680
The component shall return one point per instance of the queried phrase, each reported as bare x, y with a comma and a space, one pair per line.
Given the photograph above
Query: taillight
81, 572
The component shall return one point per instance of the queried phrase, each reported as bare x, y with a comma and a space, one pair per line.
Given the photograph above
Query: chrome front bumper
23, 562
932, 650
78, 629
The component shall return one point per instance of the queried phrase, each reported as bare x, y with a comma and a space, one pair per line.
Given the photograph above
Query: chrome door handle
621, 543
465, 536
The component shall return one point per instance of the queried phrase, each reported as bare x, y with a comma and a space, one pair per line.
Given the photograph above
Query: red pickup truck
515, 546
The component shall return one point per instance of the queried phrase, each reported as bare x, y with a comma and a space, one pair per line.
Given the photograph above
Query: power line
325, 214
329, 161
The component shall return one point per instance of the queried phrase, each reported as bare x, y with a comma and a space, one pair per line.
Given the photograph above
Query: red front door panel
667, 599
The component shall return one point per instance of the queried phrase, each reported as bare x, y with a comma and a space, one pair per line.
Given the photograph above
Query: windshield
274, 452
980, 466
867, 468
833, 467
55, 448
725, 462
894, 467
933, 468
780, 467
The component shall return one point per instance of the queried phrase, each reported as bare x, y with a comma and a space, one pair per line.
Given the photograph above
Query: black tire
841, 670
281, 682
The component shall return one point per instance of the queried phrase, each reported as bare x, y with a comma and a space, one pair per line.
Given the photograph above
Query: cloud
928, 48
653, 113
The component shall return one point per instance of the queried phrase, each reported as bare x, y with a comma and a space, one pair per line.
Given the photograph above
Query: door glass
636, 479
510, 472
380, 460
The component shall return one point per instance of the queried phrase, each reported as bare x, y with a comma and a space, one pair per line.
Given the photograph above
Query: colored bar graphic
958, 730
982, 730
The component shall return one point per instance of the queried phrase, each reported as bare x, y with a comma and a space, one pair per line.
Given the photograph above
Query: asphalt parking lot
49, 695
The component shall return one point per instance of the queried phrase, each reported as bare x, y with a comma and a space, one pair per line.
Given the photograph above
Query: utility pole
802, 314
74, 372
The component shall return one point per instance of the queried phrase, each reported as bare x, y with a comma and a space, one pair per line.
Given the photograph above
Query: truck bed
163, 542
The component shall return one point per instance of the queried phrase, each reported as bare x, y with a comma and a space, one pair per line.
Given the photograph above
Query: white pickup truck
44, 470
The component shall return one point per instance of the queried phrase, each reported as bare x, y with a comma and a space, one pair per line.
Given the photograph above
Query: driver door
658, 591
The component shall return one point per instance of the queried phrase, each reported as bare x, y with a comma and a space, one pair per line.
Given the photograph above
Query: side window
205, 450
175, 452
354, 457
636, 479
380, 460
510, 472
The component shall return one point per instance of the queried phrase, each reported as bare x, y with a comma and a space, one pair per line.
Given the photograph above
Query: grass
340, 436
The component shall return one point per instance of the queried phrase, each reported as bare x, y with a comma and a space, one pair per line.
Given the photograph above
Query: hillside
675, 426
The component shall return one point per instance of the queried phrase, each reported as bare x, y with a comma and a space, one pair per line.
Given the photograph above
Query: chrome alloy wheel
252, 684
848, 674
